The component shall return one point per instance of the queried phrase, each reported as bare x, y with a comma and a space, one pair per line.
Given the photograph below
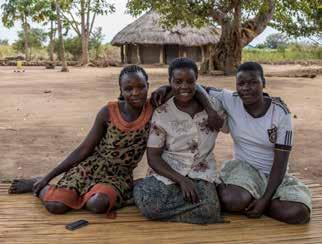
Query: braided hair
131, 69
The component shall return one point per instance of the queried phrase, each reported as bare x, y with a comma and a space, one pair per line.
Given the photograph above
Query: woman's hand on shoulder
160, 95
214, 122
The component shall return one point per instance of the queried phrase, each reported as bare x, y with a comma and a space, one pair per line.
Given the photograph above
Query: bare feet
22, 185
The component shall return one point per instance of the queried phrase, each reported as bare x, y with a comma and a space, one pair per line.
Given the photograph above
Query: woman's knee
233, 198
148, 205
210, 210
150, 208
56, 207
289, 212
98, 203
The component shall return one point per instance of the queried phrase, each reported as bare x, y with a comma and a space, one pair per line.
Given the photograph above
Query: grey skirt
158, 201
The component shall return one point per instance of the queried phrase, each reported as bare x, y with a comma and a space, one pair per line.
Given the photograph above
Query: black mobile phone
77, 224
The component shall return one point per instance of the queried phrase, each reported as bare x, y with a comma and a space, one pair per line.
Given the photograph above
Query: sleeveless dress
109, 170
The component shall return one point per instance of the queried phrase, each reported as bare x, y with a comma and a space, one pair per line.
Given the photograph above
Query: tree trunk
85, 55
228, 51
51, 42
61, 40
26, 38
85, 35
226, 54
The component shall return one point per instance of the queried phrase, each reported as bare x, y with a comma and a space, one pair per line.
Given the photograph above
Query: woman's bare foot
22, 185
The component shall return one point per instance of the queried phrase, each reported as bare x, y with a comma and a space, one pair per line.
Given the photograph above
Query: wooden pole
125, 54
122, 54
161, 54
185, 52
202, 54
211, 60
138, 53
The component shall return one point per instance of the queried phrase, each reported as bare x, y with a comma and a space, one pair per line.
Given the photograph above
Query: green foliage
319, 17
40, 54
261, 46
73, 46
297, 18
16, 10
95, 42
293, 52
37, 37
72, 10
6, 51
23, 10
193, 13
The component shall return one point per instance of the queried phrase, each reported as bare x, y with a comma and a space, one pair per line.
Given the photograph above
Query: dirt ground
44, 114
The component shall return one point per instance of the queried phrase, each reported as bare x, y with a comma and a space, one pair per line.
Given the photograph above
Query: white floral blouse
187, 142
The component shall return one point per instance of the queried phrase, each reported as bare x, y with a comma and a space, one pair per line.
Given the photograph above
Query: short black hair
131, 69
252, 66
179, 63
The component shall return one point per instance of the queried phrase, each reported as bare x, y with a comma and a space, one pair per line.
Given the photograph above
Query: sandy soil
44, 114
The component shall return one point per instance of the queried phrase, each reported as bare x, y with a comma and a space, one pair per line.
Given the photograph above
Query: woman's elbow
82, 152
153, 156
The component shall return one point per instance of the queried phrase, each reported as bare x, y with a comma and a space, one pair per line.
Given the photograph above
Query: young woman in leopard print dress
99, 172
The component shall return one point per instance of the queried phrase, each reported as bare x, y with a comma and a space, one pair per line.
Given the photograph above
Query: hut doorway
171, 52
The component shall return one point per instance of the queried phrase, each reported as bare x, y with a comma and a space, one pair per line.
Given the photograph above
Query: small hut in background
145, 42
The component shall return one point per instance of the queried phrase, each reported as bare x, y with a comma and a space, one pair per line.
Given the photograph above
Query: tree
240, 21
18, 10
36, 39
95, 42
87, 10
276, 40
73, 46
49, 9
24, 11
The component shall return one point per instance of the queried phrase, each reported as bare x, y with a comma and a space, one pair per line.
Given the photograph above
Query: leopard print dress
114, 159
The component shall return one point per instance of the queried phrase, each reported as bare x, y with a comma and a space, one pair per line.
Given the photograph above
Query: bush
73, 48
39, 54
7, 51
276, 40
293, 52
37, 37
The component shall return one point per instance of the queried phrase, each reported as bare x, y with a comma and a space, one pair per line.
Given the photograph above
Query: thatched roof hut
146, 41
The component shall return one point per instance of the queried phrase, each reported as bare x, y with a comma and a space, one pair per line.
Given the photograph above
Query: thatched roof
147, 30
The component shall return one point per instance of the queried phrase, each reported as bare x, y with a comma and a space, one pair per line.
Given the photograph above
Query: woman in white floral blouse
180, 185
